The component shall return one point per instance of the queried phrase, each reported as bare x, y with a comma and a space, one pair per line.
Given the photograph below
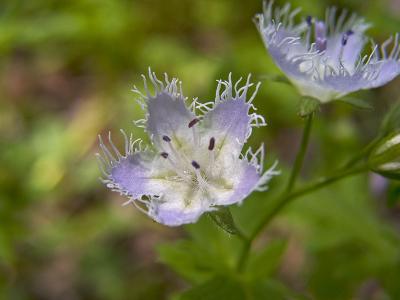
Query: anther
344, 39
309, 20
166, 138
195, 165
193, 122
164, 154
349, 32
211, 145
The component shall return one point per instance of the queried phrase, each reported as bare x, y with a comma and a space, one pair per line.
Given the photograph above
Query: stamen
166, 138
308, 31
193, 122
164, 154
195, 165
211, 145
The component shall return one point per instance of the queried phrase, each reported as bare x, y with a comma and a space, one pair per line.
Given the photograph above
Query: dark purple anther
195, 165
309, 20
346, 35
193, 122
211, 145
344, 39
166, 138
164, 154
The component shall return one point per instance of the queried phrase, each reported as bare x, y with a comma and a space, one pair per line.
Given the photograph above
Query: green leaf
217, 288
187, 260
223, 218
308, 106
206, 251
265, 263
272, 290
356, 102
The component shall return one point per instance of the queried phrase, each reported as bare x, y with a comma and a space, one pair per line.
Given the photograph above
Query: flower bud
385, 157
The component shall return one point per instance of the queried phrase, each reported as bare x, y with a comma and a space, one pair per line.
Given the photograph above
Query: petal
347, 55
344, 83
169, 215
245, 180
346, 40
230, 121
175, 213
386, 71
168, 116
180, 204
135, 175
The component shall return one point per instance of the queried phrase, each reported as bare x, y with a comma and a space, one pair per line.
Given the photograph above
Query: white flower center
193, 162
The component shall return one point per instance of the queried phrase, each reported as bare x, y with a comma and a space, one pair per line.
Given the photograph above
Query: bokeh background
67, 68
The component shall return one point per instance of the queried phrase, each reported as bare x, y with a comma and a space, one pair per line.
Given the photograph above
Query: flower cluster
195, 162
323, 59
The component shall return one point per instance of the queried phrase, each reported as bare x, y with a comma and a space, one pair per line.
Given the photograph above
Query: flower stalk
301, 154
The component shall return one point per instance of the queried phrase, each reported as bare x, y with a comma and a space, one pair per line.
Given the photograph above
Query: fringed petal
167, 114
230, 122
385, 71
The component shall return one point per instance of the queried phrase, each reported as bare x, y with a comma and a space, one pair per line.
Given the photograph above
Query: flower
330, 65
194, 163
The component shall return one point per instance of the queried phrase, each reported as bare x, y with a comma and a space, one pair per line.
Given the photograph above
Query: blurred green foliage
67, 68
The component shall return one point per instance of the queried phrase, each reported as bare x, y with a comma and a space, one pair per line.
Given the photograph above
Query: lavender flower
195, 162
323, 58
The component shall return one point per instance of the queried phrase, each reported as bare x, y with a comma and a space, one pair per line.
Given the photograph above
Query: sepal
222, 217
308, 106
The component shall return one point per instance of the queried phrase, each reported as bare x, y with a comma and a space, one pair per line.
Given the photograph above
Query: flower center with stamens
197, 174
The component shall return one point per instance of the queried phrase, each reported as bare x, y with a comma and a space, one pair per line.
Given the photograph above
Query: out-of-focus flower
195, 163
323, 58
385, 157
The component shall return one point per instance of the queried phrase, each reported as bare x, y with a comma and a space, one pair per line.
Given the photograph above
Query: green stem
363, 153
293, 176
243, 255
301, 154
322, 182
285, 199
